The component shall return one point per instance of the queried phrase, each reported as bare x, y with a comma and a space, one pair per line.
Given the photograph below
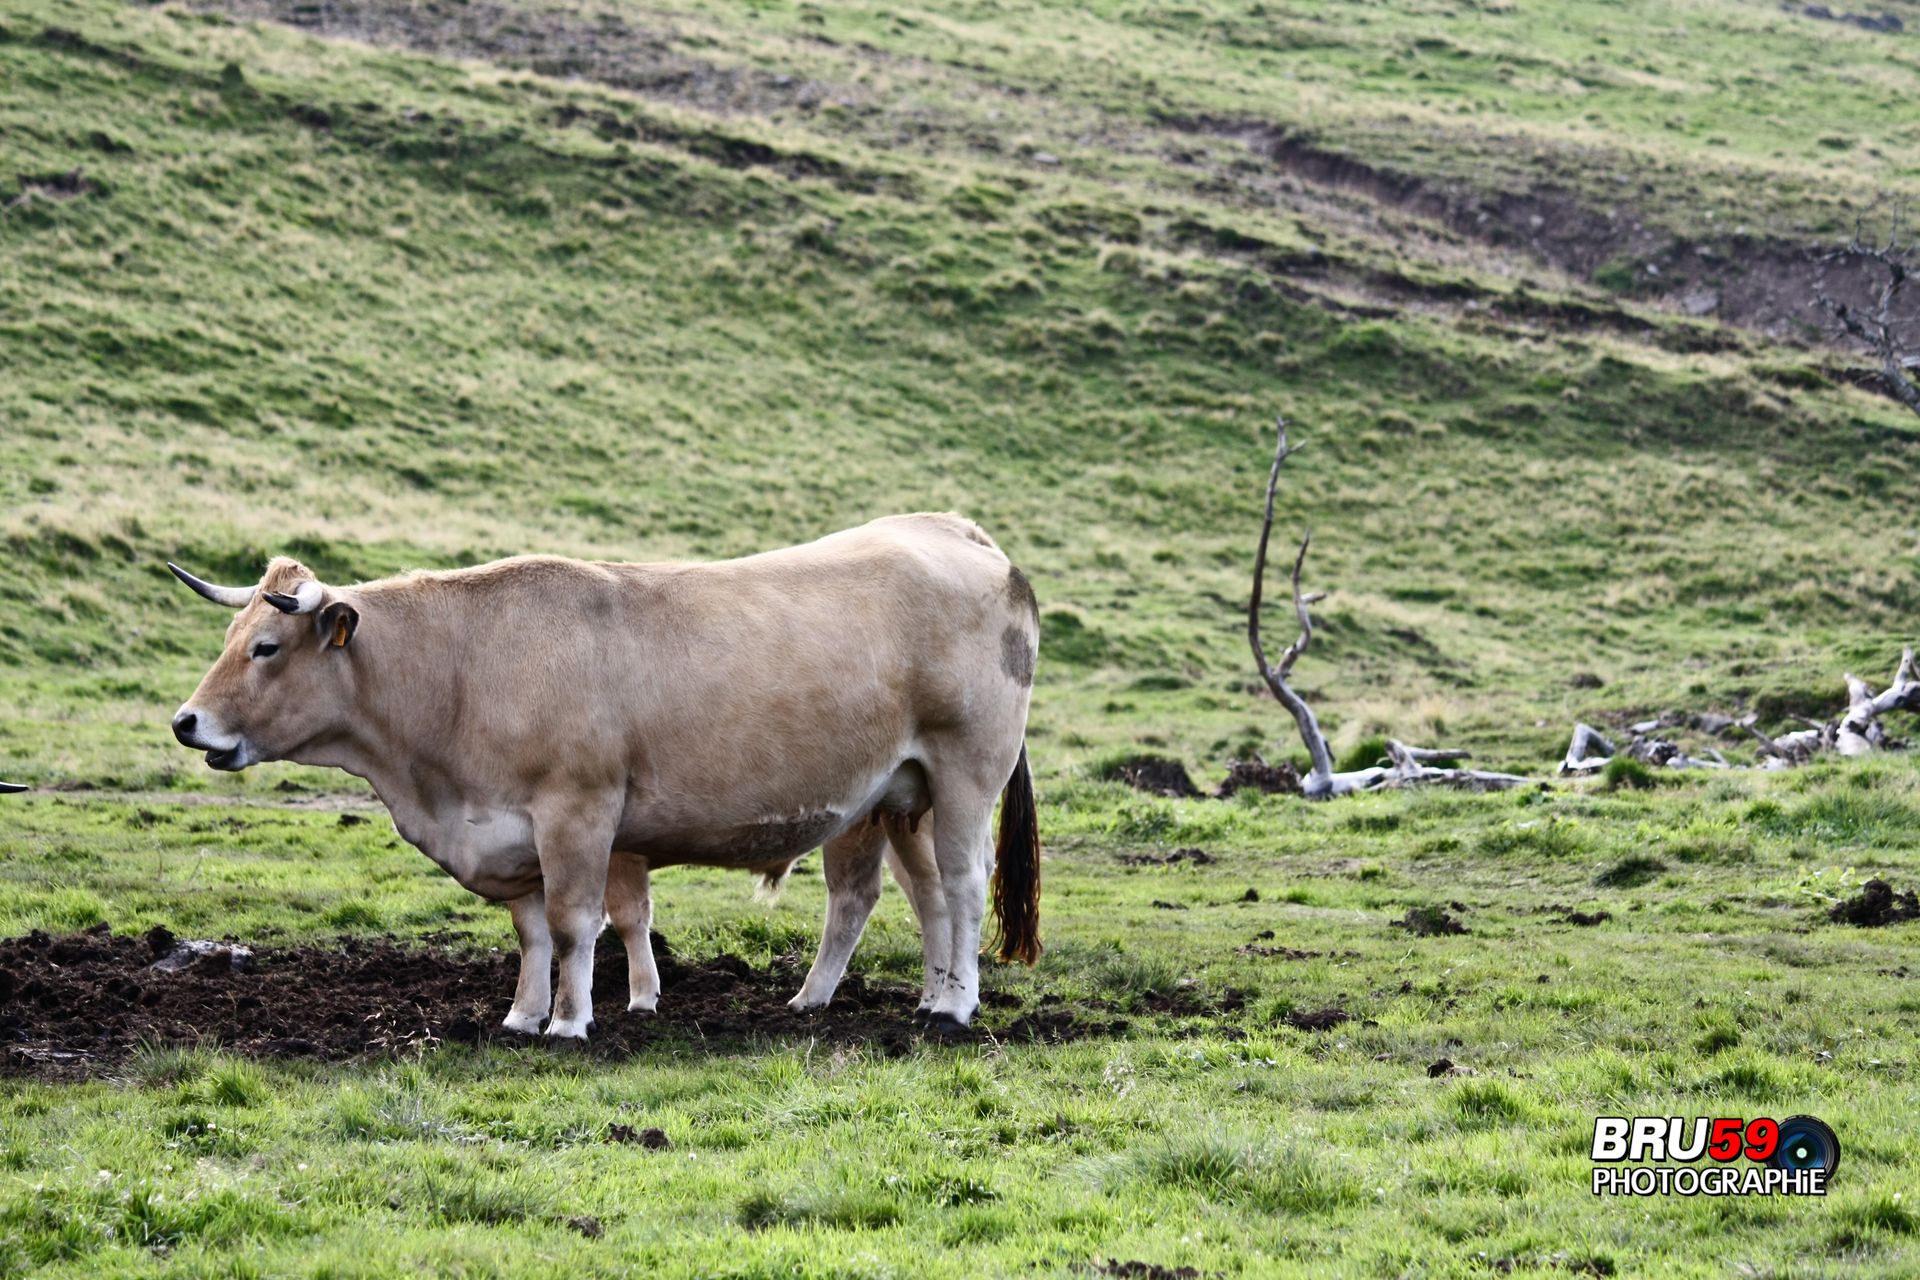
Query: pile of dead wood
1857, 731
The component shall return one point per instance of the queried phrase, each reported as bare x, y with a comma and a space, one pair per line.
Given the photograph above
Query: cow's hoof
563, 1033
945, 1025
521, 1024
644, 1004
804, 1003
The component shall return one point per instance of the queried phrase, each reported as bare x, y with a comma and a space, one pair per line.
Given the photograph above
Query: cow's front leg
573, 835
534, 992
630, 907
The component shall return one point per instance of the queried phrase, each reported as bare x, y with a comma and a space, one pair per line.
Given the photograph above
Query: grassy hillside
384, 310
424, 284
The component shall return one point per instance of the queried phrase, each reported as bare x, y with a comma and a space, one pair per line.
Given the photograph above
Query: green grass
1232, 1142
379, 308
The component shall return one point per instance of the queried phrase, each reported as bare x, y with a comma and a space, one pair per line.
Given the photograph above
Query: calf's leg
630, 907
534, 993
851, 863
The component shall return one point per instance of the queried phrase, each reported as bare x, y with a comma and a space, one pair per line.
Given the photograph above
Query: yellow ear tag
340, 633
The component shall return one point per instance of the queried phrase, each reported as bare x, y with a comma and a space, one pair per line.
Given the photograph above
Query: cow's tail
1016, 869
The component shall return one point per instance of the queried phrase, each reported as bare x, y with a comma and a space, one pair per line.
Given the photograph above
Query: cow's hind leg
963, 851
573, 833
910, 855
851, 863
534, 993
630, 907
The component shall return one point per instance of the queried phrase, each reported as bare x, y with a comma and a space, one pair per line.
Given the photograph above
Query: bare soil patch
81, 1005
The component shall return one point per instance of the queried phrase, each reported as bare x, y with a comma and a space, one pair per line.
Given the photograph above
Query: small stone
1700, 302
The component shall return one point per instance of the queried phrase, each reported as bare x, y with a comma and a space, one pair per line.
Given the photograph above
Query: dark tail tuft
1016, 870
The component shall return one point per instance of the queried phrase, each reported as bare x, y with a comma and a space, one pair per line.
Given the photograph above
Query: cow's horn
305, 598
232, 597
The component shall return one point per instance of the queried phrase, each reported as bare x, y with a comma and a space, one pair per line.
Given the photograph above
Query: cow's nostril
183, 726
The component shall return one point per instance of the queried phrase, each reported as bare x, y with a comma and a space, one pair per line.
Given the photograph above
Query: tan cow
547, 730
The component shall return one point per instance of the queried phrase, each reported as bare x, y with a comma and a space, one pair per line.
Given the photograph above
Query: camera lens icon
1806, 1143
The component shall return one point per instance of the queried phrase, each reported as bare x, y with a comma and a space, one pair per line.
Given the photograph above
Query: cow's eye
265, 649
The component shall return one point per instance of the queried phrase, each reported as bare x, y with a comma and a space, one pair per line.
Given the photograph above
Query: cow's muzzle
193, 732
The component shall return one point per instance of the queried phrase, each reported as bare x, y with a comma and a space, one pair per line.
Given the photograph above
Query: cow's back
729, 695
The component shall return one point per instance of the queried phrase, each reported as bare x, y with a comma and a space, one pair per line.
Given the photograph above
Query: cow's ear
337, 623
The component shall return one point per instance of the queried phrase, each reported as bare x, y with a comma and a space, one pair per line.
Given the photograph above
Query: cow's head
284, 682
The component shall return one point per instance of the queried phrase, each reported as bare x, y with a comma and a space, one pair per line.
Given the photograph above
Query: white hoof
804, 1003
644, 1004
523, 1024
558, 1030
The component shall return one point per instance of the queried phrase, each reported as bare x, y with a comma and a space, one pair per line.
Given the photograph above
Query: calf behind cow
548, 730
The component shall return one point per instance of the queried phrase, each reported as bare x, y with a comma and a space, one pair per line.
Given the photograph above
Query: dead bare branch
1406, 767
1878, 326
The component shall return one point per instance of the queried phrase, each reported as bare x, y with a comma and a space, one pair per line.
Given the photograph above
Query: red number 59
1763, 1138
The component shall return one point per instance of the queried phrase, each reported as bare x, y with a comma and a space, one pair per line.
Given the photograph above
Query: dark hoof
946, 1026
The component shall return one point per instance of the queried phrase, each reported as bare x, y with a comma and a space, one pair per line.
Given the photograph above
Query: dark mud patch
1193, 857
1133, 1269
1276, 953
79, 1006
53, 186
1154, 774
1429, 922
1584, 919
1257, 775
1052, 1021
1317, 1019
1875, 905
651, 1139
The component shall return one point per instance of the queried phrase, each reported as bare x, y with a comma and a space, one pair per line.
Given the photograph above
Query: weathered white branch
1321, 782
1588, 752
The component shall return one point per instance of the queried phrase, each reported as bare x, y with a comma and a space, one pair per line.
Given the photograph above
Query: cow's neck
407, 695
